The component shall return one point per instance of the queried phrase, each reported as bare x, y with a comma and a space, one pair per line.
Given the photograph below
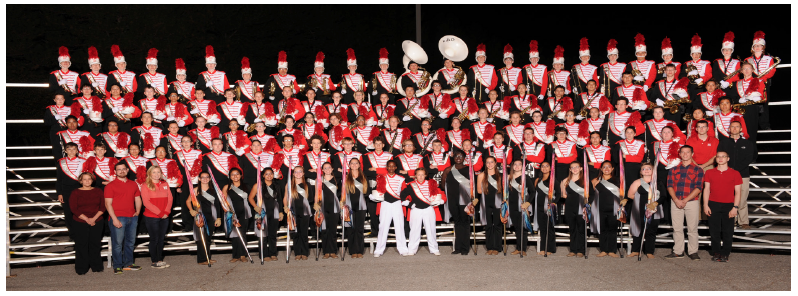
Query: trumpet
690, 68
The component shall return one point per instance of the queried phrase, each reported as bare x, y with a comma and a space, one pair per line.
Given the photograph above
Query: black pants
521, 238
68, 220
355, 233
608, 237
88, 244
329, 240
157, 228
200, 231
493, 230
576, 230
547, 235
462, 231
374, 219
651, 236
721, 227
301, 236
270, 241
185, 214
662, 187
239, 249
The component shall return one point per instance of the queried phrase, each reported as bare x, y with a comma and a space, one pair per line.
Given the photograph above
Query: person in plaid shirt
685, 183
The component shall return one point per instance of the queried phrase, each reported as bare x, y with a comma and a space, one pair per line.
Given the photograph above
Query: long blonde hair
149, 182
350, 182
294, 193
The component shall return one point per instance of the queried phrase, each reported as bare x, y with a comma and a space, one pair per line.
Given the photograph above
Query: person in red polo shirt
123, 202
721, 200
704, 145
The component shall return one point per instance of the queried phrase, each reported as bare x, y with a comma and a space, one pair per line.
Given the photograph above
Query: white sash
426, 199
67, 171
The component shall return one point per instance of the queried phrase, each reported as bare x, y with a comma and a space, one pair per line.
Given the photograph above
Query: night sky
34, 33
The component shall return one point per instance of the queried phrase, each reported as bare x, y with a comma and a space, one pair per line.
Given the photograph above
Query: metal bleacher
36, 232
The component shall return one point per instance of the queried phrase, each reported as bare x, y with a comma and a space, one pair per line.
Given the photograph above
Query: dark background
34, 33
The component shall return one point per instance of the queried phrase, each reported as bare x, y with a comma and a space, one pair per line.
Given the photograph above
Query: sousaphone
414, 52
453, 48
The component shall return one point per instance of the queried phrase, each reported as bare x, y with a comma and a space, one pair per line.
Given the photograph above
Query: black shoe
464, 253
724, 258
455, 252
694, 257
716, 257
673, 255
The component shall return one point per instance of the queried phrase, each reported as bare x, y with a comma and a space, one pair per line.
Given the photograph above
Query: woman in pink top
157, 200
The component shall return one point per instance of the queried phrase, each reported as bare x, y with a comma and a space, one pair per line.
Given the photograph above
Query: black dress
576, 224
545, 223
243, 212
650, 230
608, 222
210, 211
458, 198
357, 200
273, 206
302, 208
331, 189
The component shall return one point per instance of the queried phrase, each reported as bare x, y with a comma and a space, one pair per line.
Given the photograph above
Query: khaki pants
704, 216
690, 212
742, 212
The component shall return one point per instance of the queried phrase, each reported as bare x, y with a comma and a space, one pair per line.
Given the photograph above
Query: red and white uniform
187, 158
595, 102
102, 168
174, 181
628, 91
703, 67
565, 151
498, 151
101, 80
72, 78
573, 132
655, 128
586, 72
540, 132
461, 105
708, 101
309, 108
440, 160
646, 68
296, 133
134, 163
204, 136
232, 111
480, 128
633, 150
323, 79
667, 87
485, 75
298, 111
354, 82
219, 79
455, 138
173, 141
207, 109
522, 103
157, 80
436, 102
537, 74
362, 135
535, 152
761, 64
382, 112
248, 88
560, 77
239, 145
220, 161
511, 76
727, 66
72, 167
286, 80
88, 104
497, 107
157, 133
476, 160
68, 136
409, 163
746, 90
172, 110
112, 143
426, 139
722, 122
128, 77
594, 125
185, 89
597, 154
378, 161
417, 111
340, 108
263, 139
291, 158
663, 64
664, 151
62, 111
344, 158
515, 133
151, 106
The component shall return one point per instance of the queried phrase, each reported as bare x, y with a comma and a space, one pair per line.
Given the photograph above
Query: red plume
433, 187
666, 43
339, 133
128, 100
141, 175
634, 119
350, 54
441, 134
550, 125
381, 183
212, 108
640, 40
558, 52
583, 132
241, 137
472, 106
755, 83
289, 106
604, 105
96, 104
180, 111
319, 130
490, 130
277, 161
389, 112
63, 51
481, 47
446, 102
93, 53
90, 165
179, 64
362, 110
533, 45
567, 104
75, 109
343, 116
612, 44
214, 132
193, 137
321, 112
465, 135
173, 171
245, 63
638, 95
86, 143
196, 168
696, 41
508, 48
268, 110
405, 133
383, 53
673, 151
375, 131
152, 53
320, 57
729, 37
583, 44
508, 100
232, 161
716, 95
161, 104
124, 140
148, 142
209, 51
244, 108
424, 103
282, 57
115, 51
682, 84
271, 145
759, 35
112, 163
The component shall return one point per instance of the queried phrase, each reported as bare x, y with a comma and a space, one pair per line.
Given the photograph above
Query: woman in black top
301, 195
236, 193
573, 192
211, 208
357, 190
489, 188
639, 193
606, 202
332, 211
271, 207
543, 221
458, 197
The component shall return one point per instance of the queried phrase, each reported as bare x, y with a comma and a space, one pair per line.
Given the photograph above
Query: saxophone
586, 109
776, 63
552, 115
673, 105
636, 72
410, 110
271, 89
393, 84
324, 87
393, 140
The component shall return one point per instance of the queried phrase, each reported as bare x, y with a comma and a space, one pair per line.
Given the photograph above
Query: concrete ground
424, 271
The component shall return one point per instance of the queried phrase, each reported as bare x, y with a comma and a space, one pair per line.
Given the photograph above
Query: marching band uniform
440, 160
483, 77
534, 74
97, 80
183, 88
606, 200
219, 164
246, 87
299, 140
363, 108
205, 108
66, 83
263, 112
637, 100
313, 107
590, 125
172, 144
441, 109
116, 144
723, 121
67, 173
566, 152
420, 81
574, 196
211, 208
573, 133
377, 161
423, 142
514, 134
458, 197
320, 82
364, 137
390, 187
670, 90
450, 79
761, 64
340, 161
84, 140
212, 82
237, 199
422, 199
703, 68
103, 169
293, 107
545, 228
726, 66
594, 100
482, 133
746, 90
277, 82
553, 104
544, 131
154, 79
336, 134
559, 77
497, 114
252, 164
476, 160
610, 73
230, 111
352, 82
93, 115
237, 142
383, 112
597, 155
535, 152
583, 72
667, 49
668, 158
456, 137
654, 131
178, 113
510, 76
647, 68
121, 77
202, 138
409, 163
419, 109
465, 104
154, 106
190, 165
691, 128
148, 138
314, 161
382, 82
291, 159
634, 151
136, 165
708, 102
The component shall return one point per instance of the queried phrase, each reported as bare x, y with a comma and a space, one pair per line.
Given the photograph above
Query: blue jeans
123, 241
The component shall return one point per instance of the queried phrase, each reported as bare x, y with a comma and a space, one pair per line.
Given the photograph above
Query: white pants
391, 211
427, 218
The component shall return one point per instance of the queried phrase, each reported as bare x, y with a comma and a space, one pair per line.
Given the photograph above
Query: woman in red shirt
157, 200
88, 205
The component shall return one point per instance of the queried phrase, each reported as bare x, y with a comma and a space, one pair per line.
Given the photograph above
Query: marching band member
490, 188
331, 205
236, 140
762, 63
456, 135
572, 189
183, 88
91, 119
122, 108
200, 107
364, 135
668, 157
618, 120
558, 77
493, 104
296, 134
543, 130
611, 73
750, 90
64, 81
422, 141
338, 107
408, 161
314, 158
202, 135
341, 159
573, 129
384, 110
310, 128
172, 140
152, 78
644, 71
389, 194
152, 105
357, 190
555, 107
514, 130
524, 104
135, 162
261, 112
385, 81
415, 77
280, 81
302, 195
126, 80
633, 150
458, 191
449, 76
592, 99
437, 161
212, 82
466, 104
654, 127
483, 76
535, 152
67, 175
541, 207
597, 154
423, 196
670, 89
311, 104
707, 101
231, 110
442, 107
255, 161
628, 90
607, 200
170, 172
98, 81
725, 117
510, 76
338, 131
219, 163
413, 109
272, 202
534, 74
321, 83
698, 116
83, 139
639, 193
268, 142
246, 87
359, 107
566, 152
667, 57
101, 166
190, 164
290, 106
115, 141
147, 135
351, 82
210, 207
726, 65
697, 67
291, 157
594, 123
482, 131
55, 117
236, 193
583, 72
177, 112
475, 155
374, 165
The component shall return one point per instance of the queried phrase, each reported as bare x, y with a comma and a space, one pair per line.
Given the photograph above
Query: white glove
487, 91
375, 196
86, 111
561, 115
57, 117
743, 100
115, 109
574, 89
490, 119
639, 105
567, 92
160, 117
180, 90
209, 83
214, 120
581, 142
406, 203
170, 118
699, 81
473, 143
710, 113
370, 147
374, 93
194, 111
645, 87
501, 88
755, 97
540, 97
660, 102
94, 84
181, 123
724, 84
240, 151
123, 84
343, 91
692, 73
271, 98
241, 120
406, 118
258, 120
62, 82
640, 78
580, 117
442, 115
601, 87
325, 124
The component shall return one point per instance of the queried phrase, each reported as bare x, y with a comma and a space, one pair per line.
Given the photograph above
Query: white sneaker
377, 255
410, 254
163, 264
437, 253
